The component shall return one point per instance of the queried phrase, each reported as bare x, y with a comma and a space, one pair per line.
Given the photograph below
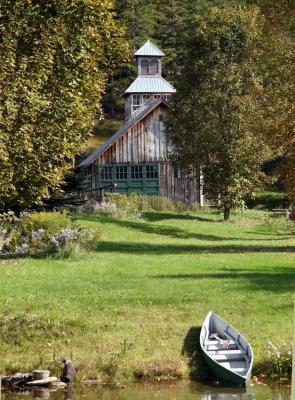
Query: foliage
215, 108
268, 200
51, 222
55, 60
45, 234
278, 101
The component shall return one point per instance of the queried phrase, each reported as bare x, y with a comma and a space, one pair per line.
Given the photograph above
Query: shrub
160, 203
47, 234
277, 224
106, 208
135, 203
51, 222
268, 200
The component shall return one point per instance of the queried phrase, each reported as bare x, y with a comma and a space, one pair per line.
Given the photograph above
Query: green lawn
138, 301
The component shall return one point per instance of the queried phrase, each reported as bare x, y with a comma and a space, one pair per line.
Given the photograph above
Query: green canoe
226, 351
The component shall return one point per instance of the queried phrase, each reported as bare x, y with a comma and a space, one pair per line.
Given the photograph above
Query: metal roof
149, 49
150, 84
135, 118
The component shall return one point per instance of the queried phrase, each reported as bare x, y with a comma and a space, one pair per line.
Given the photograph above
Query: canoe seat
227, 355
209, 342
221, 346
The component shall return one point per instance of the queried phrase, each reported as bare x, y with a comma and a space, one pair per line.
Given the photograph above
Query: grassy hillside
136, 304
104, 130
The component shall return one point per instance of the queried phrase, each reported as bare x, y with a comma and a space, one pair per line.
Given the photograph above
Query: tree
278, 101
55, 59
216, 107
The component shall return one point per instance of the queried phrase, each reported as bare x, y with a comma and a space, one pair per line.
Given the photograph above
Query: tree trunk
226, 213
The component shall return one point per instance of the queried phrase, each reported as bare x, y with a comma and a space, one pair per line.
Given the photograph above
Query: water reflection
161, 391
226, 396
41, 394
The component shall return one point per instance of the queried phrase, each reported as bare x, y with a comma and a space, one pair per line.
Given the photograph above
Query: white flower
22, 248
54, 241
37, 234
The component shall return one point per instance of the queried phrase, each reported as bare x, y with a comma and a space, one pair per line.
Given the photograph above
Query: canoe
226, 351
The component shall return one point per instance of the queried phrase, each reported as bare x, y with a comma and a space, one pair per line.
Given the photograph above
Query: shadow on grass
176, 233
282, 280
156, 249
191, 348
287, 235
160, 216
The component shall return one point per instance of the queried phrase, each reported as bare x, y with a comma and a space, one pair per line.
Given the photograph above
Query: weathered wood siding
144, 142
177, 185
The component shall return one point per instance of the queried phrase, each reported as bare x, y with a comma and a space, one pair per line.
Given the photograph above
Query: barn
136, 158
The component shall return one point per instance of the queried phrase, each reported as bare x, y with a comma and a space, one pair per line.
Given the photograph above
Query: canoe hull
213, 323
224, 373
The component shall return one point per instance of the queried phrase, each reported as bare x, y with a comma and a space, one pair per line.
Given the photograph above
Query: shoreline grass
135, 305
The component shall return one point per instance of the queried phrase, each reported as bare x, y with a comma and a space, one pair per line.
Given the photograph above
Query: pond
151, 391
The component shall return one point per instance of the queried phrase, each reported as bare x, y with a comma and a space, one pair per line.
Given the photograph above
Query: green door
127, 179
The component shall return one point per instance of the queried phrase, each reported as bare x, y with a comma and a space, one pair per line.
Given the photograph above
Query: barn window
157, 96
121, 172
106, 173
136, 172
145, 67
135, 101
145, 97
151, 171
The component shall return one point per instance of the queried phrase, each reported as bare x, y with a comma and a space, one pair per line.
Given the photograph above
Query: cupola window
149, 67
153, 67
145, 67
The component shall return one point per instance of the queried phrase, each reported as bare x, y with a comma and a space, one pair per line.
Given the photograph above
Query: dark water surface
151, 391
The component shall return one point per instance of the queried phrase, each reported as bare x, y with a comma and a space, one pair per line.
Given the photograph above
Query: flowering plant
280, 358
40, 235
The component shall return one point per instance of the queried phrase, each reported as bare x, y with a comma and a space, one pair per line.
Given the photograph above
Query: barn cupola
149, 83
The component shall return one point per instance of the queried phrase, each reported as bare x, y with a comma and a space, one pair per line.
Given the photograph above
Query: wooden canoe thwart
226, 351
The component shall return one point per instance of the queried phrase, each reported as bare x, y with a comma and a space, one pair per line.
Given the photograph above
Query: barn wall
144, 142
177, 185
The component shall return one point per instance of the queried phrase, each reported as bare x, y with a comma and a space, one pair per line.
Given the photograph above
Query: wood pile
37, 378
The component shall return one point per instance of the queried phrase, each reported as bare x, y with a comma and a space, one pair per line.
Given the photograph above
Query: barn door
127, 179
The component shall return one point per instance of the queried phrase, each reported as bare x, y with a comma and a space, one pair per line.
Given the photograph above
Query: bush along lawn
133, 304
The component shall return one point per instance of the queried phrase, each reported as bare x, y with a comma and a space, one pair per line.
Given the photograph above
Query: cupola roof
149, 49
150, 84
